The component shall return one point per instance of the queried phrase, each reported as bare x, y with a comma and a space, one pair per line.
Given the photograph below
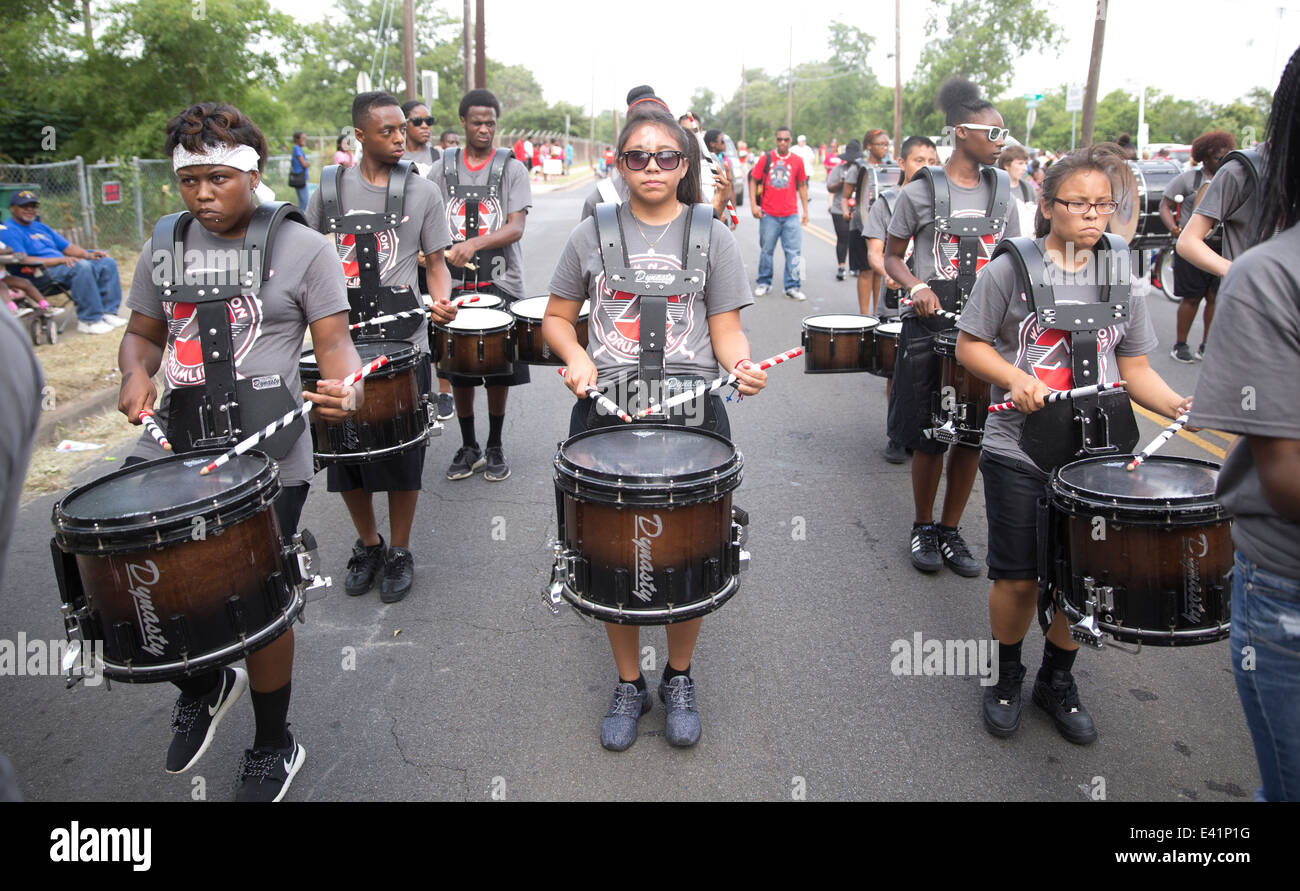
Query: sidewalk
578, 176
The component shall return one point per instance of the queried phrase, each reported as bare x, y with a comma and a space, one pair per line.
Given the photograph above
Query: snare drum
482, 301
530, 347
393, 418
885, 345
477, 343
175, 572
647, 535
1138, 218
962, 403
837, 344
1142, 556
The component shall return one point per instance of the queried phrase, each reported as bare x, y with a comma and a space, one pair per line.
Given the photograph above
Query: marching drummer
703, 330
1003, 341
218, 155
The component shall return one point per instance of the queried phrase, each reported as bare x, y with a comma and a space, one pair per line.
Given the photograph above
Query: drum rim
892, 330
874, 323
584, 310
1189, 506
398, 360
587, 484
942, 337
123, 534
495, 329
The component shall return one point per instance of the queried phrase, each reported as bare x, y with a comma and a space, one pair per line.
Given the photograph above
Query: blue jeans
787, 229
302, 198
1266, 618
95, 287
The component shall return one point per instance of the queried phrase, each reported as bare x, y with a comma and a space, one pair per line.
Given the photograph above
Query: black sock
916, 526
639, 683
467, 431
271, 713
1010, 652
1056, 659
495, 423
670, 672
200, 685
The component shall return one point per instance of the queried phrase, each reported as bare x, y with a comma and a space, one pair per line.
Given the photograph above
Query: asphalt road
471, 688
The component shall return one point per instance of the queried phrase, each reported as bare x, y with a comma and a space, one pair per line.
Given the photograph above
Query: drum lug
73, 628
303, 549
1086, 630
435, 427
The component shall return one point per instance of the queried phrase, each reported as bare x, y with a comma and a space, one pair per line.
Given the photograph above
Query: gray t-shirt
516, 195
1247, 386
1185, 184
1230, 200
267, 331
620, 186
424, 158
423, 228
935, 257
998, 313
21, 383
614, 326
833, 176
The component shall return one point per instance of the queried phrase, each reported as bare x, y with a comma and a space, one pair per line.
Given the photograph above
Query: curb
73, 412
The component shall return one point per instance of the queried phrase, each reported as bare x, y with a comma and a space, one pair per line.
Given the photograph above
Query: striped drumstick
462, 301
718, 383
1065, 394
907, 301
604, 401
289, 417
146, 418
393, 317
1165, 435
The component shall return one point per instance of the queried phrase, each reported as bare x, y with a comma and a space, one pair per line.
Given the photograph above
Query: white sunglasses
995, 133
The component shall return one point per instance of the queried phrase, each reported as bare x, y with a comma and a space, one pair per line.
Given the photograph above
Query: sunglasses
1081, 207
666, 160
421, 122
995, 133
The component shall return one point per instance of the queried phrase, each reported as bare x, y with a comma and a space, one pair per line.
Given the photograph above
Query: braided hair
1279, 181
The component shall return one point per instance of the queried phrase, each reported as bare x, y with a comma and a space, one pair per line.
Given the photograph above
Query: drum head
844, 322
400, 355
1182, 489
530, 308
484, 301
890, 329
655, 462
477, 319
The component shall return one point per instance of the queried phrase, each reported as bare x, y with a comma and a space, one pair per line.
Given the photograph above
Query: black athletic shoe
925, 548
399, 575
894, 454
446, 406
1002, 701
495, 467
1182, 353
839, 274
194, 721
1200, 352
265, 774
366, 564
956, 555
1056, 694
468, 459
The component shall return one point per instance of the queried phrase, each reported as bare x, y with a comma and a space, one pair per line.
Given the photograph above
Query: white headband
240, 157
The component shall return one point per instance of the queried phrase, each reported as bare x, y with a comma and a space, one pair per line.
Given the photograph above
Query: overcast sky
569, 46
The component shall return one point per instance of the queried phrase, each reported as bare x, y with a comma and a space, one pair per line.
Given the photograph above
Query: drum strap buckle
304, 550
1096, 598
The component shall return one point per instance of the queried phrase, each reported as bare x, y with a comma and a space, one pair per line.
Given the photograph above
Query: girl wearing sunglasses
655, 159
419, 132
1002, 341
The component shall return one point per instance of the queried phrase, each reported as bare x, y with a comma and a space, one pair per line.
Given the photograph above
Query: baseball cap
26, 196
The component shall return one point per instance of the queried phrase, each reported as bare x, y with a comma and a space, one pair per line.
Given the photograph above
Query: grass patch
52, 471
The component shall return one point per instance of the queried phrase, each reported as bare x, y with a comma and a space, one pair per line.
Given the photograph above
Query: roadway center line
1193, 438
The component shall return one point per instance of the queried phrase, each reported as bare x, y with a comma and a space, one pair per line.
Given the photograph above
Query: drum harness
1100, 424
486, 259
893, 295
372, 299
969, 231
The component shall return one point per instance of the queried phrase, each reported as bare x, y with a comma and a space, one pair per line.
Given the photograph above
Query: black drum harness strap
969, 231
485, 261
1103, 423
224, 409
372, 298
893, 295
653, 287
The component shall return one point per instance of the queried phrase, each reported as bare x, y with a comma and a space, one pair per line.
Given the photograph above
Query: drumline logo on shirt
184, 365
946, 247
140, 578
617, 314
1045, 352
489, 217
646, 529
346, 243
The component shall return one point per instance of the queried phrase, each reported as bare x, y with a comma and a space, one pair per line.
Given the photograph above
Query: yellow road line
1193, 438
821, 233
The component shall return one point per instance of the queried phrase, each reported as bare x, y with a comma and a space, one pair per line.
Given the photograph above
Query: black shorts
519, 376
1190, 281
1011, 492
917, 381
401, 473
858, 252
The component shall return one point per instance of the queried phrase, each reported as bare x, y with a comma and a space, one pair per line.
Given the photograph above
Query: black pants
841, 237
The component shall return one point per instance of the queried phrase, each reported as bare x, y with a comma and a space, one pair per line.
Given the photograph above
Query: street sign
1033, 97
1074, 97
363, 82
1031, 118
429, 86
111, 192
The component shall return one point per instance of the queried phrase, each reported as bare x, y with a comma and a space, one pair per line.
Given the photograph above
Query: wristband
919, 286
853, 202
738, 361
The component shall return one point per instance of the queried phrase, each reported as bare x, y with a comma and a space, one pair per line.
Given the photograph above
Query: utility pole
789, 86
1094, 75
408, 49
469, 47
480, 58
898, 77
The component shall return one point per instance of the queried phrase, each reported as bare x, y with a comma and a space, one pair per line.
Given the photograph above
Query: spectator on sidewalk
298, 167
783, 181
91, 276
342, 156
806, 154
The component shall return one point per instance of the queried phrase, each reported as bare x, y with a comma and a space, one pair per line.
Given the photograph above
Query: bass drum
1137, 220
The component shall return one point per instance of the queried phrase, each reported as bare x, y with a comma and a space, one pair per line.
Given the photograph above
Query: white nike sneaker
99, 327
114, 320
762, 290
194, 721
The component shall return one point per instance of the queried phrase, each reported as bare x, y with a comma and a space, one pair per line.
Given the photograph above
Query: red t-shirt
781, 185
609, 157
519, 151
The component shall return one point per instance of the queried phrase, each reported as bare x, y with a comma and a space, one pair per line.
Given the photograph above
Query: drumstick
288, 418
604, 401
1164, 437
384, 320
146, 418
461, 301
713, 166
717, 384
907, 301
1065, 394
